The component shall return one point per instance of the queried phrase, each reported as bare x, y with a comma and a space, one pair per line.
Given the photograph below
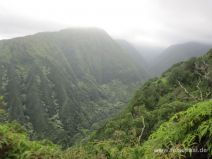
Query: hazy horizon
154, 23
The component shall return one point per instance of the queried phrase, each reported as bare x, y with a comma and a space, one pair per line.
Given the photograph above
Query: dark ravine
59, 83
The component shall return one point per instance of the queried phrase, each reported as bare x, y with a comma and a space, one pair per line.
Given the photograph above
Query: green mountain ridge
177, 53
87, 79
57, 83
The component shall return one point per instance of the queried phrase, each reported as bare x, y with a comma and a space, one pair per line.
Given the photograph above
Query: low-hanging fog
148, 22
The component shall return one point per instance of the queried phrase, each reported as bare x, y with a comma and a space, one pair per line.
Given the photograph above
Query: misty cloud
12, 26
152, 22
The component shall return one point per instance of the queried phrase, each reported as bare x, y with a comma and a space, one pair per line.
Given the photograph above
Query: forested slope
58, 83
169, 117
152, 120
56, 91
177, 53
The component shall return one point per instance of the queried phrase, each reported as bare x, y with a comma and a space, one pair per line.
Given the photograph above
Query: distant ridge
177, 53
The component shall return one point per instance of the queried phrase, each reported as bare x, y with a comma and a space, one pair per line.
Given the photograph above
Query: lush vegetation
186, 130
142, 127
14, 144
58, 84
57, 92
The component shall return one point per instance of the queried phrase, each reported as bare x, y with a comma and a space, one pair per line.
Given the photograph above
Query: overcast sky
152, 22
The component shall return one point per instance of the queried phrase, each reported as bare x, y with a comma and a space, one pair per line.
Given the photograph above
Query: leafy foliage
172, 112
160, 98
14, 144
152, 119
60, 83
186, 130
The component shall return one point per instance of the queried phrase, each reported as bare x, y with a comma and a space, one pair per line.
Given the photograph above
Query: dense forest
69, 95
170, 112
57, 84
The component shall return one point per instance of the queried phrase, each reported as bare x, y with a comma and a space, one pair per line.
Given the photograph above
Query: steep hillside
185, 85
188, 130
185, 130
133, 52
177, 53
58, 83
